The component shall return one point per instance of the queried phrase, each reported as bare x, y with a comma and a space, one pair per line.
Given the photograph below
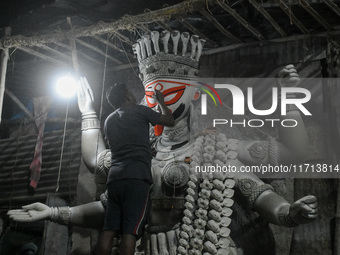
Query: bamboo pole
73, 48
82, 54
112, 45
241, 20
219, 26
19, 104
195, 30
332, 6
292, 17
125, 23
305, 5
4, 60
40, 55
53, 51
95, 49
265, 14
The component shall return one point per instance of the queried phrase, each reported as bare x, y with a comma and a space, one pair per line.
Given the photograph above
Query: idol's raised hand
288, 76
85, 97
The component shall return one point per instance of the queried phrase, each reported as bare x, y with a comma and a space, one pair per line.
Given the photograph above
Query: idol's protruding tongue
177, 113
158, 130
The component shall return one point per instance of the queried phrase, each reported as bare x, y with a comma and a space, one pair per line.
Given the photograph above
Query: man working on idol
127, 134
190, 214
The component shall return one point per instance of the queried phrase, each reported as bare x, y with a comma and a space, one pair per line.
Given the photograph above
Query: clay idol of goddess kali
190, 213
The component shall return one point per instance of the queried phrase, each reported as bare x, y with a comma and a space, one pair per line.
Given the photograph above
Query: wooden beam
40, 55
87, 45
333, 6
142, 27
277, 40
123, 67
315, 15
242, 21
195, 31
291, 15
83, 55
125, 23
65, 46
19, 104
219, 26
49, 49
73, 49
4, 60
123, 38
265, 14
161, 23
112, 45
164, 26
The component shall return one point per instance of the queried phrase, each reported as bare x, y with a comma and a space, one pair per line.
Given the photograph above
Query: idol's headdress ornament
168, 63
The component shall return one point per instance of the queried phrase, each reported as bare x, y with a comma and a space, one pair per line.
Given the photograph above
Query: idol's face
177, 95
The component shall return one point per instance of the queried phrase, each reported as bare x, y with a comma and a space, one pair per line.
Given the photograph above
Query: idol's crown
177, 62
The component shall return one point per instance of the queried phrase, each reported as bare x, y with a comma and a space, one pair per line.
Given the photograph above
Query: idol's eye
172, 95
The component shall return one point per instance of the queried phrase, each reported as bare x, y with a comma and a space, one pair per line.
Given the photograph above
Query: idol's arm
90, 215
277, 210
295, 139
92, 142
273, 207
290, 149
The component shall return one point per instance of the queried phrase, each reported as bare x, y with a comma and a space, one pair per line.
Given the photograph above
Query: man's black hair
116, 95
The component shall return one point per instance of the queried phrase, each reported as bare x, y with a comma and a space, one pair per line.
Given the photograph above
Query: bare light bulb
66, 86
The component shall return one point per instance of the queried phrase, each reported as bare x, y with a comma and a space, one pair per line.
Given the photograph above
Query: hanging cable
104, 79
102, 99
62, 147
127, 57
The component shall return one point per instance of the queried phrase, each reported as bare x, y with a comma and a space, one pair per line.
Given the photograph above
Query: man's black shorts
127, 206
